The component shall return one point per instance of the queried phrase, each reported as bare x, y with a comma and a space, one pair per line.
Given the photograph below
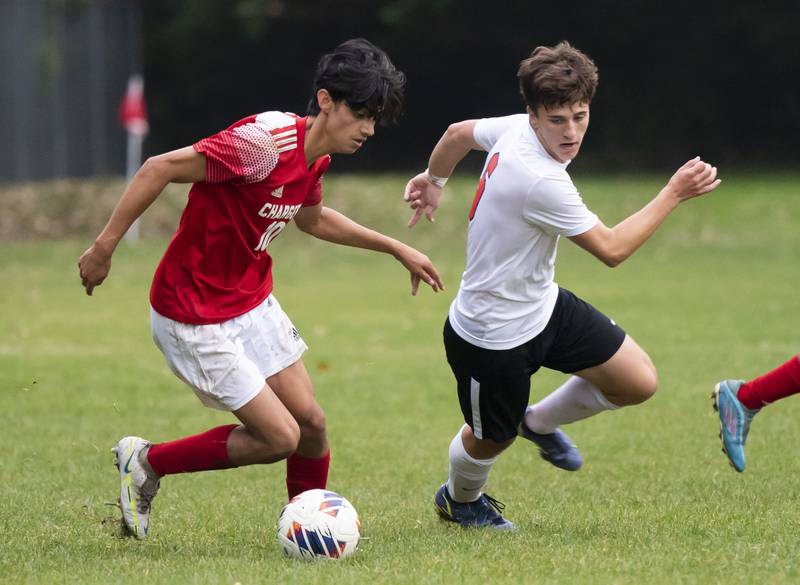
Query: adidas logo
277, 193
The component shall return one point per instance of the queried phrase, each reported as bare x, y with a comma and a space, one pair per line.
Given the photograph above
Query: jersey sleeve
240, 154
554, 204
489, 130
314, 196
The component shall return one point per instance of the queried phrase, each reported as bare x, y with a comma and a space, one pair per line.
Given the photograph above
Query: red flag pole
133, 117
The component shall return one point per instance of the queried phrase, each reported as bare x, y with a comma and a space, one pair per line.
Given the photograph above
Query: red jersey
217, 266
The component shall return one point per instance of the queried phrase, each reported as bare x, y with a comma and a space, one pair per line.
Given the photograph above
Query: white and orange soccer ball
319, 524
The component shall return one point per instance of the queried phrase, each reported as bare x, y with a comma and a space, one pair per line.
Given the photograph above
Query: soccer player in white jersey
509, 317
213, 314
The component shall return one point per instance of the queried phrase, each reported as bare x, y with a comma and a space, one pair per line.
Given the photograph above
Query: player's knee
650, 385
646, 383
313, 424
281, 440
287, 442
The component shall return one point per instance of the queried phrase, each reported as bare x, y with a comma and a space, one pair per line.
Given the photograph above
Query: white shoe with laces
138, 487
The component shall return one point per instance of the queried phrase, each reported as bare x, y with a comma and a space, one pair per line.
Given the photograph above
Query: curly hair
557, 76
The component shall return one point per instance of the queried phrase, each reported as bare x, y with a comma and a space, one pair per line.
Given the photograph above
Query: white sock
574, 400
467, 474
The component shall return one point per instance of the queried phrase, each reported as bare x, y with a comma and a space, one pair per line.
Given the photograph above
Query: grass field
713, 295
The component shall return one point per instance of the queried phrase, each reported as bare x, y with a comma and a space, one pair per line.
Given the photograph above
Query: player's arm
184, 165
424, 191
330, 225
614, 245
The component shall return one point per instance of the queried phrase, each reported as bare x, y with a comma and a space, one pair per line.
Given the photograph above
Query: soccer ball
318, 524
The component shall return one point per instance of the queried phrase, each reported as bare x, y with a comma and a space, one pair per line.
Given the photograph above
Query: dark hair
362, 75
557, 76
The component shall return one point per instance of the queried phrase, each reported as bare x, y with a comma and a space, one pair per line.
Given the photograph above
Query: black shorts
494, 385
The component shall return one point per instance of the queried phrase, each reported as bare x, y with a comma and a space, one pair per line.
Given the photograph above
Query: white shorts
226, 363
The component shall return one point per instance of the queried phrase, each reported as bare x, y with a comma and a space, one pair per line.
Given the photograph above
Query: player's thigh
270, 339
210, 359
578, 336
273, 343
293, 387
268, 419
493, 386
628, 377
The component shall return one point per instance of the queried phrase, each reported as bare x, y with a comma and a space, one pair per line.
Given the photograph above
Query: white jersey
525, 201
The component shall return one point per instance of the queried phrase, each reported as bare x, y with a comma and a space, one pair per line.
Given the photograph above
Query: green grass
713, 295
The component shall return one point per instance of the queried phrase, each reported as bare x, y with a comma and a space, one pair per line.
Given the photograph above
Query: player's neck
316, 143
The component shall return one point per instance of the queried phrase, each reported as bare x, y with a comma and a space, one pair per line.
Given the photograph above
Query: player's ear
532, 115
324, 101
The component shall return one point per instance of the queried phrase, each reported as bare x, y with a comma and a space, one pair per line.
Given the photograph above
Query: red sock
304, 473
781, 382
201, 452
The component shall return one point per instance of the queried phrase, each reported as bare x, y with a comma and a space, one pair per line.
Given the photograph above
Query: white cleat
138, 488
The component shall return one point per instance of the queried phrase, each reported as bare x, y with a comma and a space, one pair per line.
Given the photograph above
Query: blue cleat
482, 513
555, 447
734, 419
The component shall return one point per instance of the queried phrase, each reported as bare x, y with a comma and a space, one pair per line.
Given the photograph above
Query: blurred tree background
677, 78
680, 78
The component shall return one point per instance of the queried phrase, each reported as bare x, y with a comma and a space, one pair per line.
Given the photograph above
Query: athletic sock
208, 450
467, 474
574, 400
306, 473
781, 382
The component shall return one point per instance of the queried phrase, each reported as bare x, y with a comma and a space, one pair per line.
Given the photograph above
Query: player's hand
94, 266
423, 197
693, 179
420, 267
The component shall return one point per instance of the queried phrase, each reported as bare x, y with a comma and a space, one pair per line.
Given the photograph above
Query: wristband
434, 180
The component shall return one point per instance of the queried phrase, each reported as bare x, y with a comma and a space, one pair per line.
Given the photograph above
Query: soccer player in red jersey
213, 314
737, 402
